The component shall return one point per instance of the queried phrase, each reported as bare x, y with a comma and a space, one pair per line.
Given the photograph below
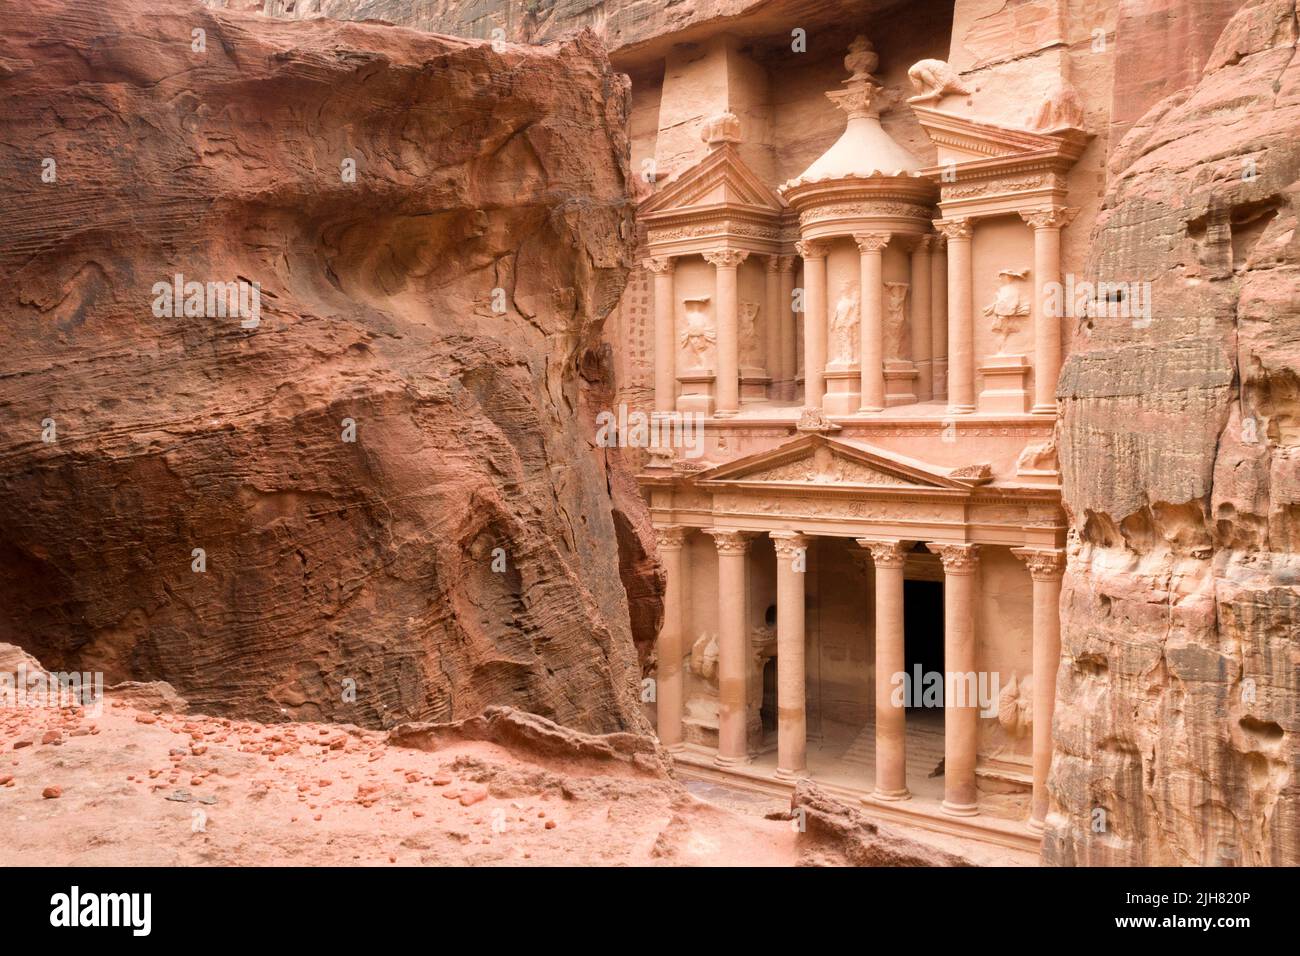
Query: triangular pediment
720, 179
818, 460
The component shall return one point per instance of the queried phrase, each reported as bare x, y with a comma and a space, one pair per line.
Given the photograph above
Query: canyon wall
1178, 702
378, 498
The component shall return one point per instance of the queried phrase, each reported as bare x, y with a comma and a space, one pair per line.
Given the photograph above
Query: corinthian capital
1044, 565
672, 537
871, 241
954, 228
812, 248
886, 554
1053, 217
957, 558
659, 264
729, 542
727, 258
788, 544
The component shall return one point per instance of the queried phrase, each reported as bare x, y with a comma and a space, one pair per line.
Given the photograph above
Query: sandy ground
139, 788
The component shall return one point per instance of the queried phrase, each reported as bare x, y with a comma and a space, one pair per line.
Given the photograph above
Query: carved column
669, 689
814, 322
871, 248
772, 326
1047, 224
791, 707
789, 329
921, 353
939, 315
961, 315
1046, 568
733, 647
960, 709
725, 263
888, 557
665, 334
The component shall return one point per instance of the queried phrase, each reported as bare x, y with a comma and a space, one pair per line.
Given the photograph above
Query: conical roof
864, 149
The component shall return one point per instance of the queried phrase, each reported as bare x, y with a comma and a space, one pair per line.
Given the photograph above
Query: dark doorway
922, 632
768, 710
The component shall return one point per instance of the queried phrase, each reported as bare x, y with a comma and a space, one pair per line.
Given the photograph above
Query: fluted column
791, 707
888, 558
961, 315
871, 248
1045, 568
814, 322
921, 319
960, 710
725, 263
789, 329
1047, 224
669, 689
665, 333
939, 315
733, 649
772, 326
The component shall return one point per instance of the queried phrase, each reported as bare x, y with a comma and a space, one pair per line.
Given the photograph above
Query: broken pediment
720, 180
818, 460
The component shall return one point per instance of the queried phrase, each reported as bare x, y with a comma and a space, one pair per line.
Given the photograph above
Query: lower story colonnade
888, 557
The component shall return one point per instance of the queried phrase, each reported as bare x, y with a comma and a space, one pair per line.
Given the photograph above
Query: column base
960, 809
891, 795
961, 409
1043, 409
792, 774
1035, 826
676, 748
871, 408
721, 761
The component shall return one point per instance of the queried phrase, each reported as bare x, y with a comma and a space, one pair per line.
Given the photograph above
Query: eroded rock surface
1178, 705
180, 498
833, 833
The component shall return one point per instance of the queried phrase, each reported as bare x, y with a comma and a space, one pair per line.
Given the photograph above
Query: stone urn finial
719, 129
861, 60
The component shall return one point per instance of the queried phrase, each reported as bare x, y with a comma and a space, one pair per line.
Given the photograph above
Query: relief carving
844, 326
933, 80
698, 336
1008, 307
896, 338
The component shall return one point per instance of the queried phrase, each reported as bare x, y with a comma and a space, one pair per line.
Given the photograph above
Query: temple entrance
768, 709
922, 632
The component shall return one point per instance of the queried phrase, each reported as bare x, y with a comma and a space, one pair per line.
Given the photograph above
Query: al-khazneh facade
872, 347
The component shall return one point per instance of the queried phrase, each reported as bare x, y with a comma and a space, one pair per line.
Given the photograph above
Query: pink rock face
1176, 716
378, 498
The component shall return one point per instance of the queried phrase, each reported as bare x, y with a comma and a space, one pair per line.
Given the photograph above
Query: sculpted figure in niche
1007, 307
698, 336
704, 658
748, 333
1016, 706
844, 325
933, 80
896, 320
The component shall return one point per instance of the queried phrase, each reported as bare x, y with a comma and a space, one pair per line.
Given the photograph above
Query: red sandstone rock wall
1178, 704
327, 560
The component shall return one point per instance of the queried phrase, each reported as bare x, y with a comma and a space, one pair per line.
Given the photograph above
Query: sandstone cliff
1178, 707
381, 501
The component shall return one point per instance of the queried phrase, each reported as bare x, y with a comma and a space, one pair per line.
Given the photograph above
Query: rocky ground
146, 783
